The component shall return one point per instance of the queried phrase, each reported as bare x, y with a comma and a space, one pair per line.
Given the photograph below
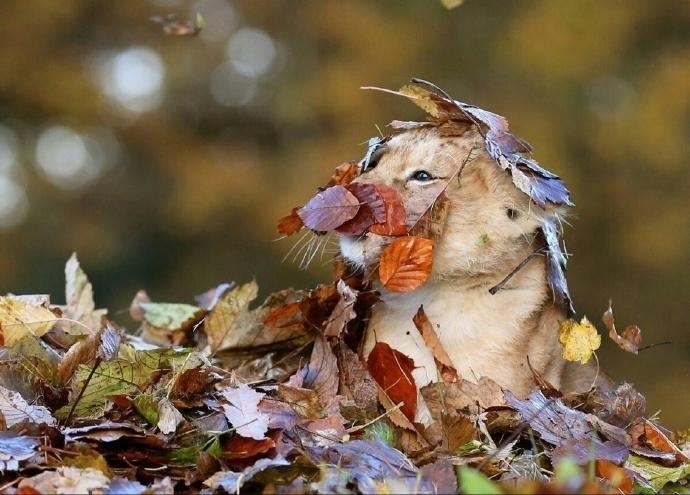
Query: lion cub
491, 228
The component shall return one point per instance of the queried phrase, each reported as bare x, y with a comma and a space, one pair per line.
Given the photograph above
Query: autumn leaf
344, 174
329, 209
579, 340
392, 370
372, 209
431, 224
14, 409
172, 26
80, 304
168, 417
290, 224
443, 361
343, 312
395, 219
19, 318
631, 338
15, 448
242, 411
406, 263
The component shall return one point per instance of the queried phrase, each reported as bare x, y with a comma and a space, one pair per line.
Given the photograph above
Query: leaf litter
225, 395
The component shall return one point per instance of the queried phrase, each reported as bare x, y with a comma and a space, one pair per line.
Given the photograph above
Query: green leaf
657, 475
473, 482
147, 407
170, 316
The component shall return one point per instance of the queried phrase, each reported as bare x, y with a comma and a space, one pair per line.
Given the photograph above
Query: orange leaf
344, 174
632, 336
406, 263
616, 475
290, 224
395, 215
443, 362
392, 370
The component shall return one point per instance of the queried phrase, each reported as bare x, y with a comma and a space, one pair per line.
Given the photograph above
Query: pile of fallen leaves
217, 397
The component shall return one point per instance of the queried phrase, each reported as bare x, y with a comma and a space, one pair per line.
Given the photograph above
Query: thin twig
493, 290
83, 389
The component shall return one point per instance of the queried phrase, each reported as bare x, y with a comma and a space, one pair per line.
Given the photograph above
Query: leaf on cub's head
329, 209
392, 370
290, 224
631, 338
406, 263
579, 340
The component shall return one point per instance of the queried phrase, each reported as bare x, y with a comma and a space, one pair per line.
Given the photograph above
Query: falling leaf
579, 340
243, 411
15, 448
443, 361
406, 263
290, 224
392, 370
343, 312
329, 209
632, 335
19, 318
80, 304
344, 174
395, 218
175, 27
14, 409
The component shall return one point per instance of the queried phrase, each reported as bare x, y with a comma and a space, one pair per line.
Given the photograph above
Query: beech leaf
19, 318
290, 224
392, 370
79, 296
14, 409
344, 174
372, 209
406, 263
329, 209
394, 222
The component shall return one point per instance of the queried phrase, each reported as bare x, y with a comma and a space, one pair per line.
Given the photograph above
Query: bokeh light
251, 52
220, 19
14, 203
133, 78
230, 88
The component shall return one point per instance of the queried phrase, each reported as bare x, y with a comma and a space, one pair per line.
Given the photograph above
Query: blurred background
166, 161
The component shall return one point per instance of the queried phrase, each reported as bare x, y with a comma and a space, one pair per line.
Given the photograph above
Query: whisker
297, 243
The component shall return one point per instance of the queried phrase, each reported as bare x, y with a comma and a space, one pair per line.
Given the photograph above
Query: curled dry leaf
443, 361
406, 263
579, 340
344, 174
343, 312
631, 338
329, 209
392, 370
290, 224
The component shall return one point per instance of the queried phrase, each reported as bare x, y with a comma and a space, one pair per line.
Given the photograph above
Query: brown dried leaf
406, 263
290, 224
355, 381
344, 174
632, 335
443, 361
647, 434
329, 209
395, 221
392, 370
343, 312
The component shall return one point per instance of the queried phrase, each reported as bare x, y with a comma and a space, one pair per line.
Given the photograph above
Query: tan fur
484, 334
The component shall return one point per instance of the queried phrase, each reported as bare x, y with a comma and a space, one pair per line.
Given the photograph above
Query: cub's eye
422, 176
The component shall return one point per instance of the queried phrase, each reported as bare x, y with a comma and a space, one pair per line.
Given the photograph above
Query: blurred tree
164, 161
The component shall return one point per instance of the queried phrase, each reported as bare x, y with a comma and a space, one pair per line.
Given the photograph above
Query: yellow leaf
579, 340
451, 4
19, 318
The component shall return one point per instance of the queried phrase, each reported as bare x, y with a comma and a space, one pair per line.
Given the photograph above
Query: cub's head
489, 226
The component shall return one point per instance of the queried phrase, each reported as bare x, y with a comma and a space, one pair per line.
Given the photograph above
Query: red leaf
290, 224
372, 209
406, 263
395, 219
392, 370
329, 209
